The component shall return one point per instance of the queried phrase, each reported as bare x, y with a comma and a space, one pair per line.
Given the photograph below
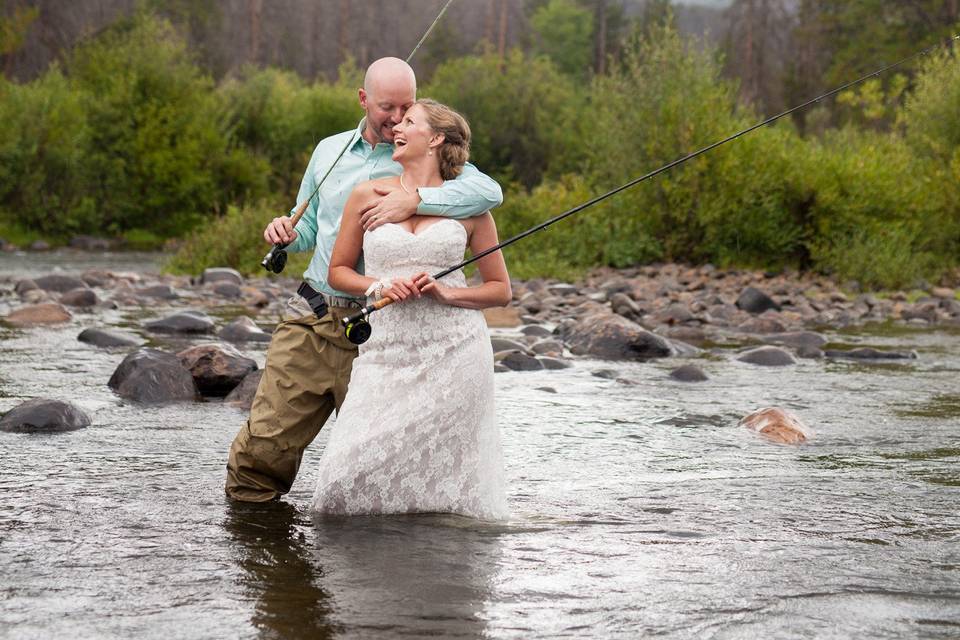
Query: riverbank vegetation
131, 137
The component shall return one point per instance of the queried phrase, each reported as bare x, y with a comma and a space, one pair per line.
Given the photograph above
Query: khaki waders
305, 378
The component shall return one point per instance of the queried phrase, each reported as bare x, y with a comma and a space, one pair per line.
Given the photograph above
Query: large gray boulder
614, 337
153, 376
59, 282
107, 338
183, 322
754, 301
243, 329
216, 368
42, 415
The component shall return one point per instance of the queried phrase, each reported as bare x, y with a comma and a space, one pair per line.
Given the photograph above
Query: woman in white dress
417, 431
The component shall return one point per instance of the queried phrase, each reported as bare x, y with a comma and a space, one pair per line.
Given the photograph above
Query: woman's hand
427, 285
401, 289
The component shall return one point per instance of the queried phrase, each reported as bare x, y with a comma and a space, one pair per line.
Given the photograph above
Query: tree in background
563, 31
13, 30
757, 45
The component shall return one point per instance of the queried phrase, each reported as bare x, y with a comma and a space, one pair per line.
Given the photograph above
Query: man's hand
393, 205
280, 231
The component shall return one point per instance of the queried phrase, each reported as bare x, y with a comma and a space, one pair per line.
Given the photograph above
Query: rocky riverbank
659, 311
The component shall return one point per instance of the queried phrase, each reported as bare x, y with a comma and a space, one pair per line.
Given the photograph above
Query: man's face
385, 105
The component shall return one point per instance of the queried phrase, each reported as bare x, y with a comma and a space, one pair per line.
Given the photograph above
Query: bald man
309, 360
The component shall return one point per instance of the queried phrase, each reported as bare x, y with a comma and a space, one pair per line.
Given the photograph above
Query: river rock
606, 374
777, 424
80, 297
221, 274
25, 285
754, 301
502, 317
536, 330
689, 373
42, 415
107, 338
183, 322
39, 245
243, 329
216, 368
89, 243
96, 277
554, 363
519, 361
227, 290
761, 324
39, 314
159, 291
59, 282
547, 347
243, 394
614, 337
869, 353
153, 376
767, 357
797, 339
505, 344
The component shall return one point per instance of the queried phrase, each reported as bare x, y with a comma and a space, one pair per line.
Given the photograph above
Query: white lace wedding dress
417, 431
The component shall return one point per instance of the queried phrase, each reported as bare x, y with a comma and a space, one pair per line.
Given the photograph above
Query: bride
417, 431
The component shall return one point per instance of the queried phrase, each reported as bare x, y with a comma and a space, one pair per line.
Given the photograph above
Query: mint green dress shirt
470, 194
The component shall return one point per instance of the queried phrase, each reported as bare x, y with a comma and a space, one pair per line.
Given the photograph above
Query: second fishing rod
358, 329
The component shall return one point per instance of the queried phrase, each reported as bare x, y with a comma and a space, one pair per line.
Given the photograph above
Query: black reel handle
276, 258
356, 327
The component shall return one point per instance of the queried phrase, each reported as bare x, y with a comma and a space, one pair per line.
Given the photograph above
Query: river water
639, 509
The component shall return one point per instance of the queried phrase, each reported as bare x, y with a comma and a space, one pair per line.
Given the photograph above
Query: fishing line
276, 258
354, 324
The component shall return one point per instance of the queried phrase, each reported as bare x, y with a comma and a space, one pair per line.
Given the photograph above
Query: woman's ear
437, 140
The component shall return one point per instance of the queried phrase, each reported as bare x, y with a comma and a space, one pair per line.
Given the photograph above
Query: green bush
520, 111
233, 240
43, 152
158, 154
275, 115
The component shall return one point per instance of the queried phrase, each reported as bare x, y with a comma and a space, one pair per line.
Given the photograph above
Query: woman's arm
495, 290
342, 274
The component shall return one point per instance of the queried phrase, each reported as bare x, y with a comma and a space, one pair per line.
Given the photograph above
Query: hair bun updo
454, 151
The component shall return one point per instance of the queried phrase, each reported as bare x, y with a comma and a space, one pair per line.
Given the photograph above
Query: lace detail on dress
417, 431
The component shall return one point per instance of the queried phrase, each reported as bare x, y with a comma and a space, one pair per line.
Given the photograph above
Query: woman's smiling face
413, 135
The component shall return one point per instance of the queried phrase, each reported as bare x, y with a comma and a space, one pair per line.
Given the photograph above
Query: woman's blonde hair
455, 149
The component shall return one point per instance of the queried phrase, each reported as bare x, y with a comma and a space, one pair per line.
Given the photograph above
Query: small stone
216, 368
221, 274
869, 353
546, 389
159, 291
536, 330
42, 415
183, 322
606, 374
767, 357
504, 344
243, 329
25, 285
502, 317
545, 347
517, 361
106, 338
80, 297
554, 363
243, 394
59, 282
39, 245
689, 373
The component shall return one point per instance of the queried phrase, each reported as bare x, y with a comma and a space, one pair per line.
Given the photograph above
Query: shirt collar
359, 141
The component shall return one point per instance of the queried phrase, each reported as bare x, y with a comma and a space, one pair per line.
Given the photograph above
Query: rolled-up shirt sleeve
307, 226
470, 194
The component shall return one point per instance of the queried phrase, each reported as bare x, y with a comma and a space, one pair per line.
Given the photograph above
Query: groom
309, 360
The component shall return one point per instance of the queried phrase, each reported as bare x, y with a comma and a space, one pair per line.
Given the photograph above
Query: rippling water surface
639, 509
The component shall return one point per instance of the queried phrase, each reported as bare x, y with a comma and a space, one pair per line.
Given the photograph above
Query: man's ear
363, 98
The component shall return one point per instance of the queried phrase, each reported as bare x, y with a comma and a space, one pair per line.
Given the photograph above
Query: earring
430, 153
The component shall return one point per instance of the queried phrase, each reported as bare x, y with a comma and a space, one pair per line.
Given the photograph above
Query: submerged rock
869, 353
777, 424
42, 415
107, 338
151, 376
768, 357
689, 373
216, 368
243, 329
39, 314
183, 322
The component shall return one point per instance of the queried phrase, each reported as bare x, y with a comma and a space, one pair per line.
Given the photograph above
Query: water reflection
426, 575
279, 575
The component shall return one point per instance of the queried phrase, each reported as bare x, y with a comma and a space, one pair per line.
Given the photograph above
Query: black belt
314, 298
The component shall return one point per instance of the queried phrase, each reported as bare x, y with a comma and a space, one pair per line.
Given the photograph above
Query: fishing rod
357, 327
276, 258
